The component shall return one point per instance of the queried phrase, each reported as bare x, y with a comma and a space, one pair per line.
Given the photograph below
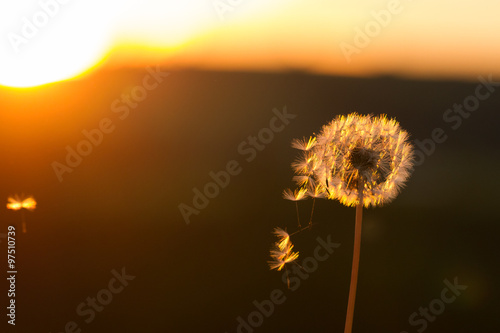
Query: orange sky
50, 40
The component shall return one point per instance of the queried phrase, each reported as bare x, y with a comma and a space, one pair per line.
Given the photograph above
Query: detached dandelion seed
282, 257
361, 161
17, 203
281, 252
283, 236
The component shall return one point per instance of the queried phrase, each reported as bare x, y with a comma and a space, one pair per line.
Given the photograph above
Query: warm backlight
43, 41
50, 41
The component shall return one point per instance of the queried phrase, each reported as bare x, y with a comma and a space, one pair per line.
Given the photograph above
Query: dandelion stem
298, 218
312, 211
23, 221
301, 229
355, 261
287, 278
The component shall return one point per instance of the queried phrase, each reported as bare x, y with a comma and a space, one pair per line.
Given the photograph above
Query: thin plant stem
23, 221
301, 229
287, 278
312, 211
355, 261
298, 218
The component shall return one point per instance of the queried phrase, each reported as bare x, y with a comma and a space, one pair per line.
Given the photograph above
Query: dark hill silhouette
119, 206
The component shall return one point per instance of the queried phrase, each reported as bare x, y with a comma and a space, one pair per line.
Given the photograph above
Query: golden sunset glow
54, 40
205, 165
51, 43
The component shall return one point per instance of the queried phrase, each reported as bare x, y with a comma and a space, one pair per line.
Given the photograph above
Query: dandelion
358, 160
17, 203
353, 150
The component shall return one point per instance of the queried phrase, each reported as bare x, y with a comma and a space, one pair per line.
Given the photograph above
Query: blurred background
172, 91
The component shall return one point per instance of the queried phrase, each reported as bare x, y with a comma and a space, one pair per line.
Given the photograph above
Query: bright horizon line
384, 38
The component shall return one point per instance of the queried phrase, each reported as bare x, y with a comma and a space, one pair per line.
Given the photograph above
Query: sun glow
49, 43
44, 41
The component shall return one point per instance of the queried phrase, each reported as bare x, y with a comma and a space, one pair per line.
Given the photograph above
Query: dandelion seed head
356, 149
